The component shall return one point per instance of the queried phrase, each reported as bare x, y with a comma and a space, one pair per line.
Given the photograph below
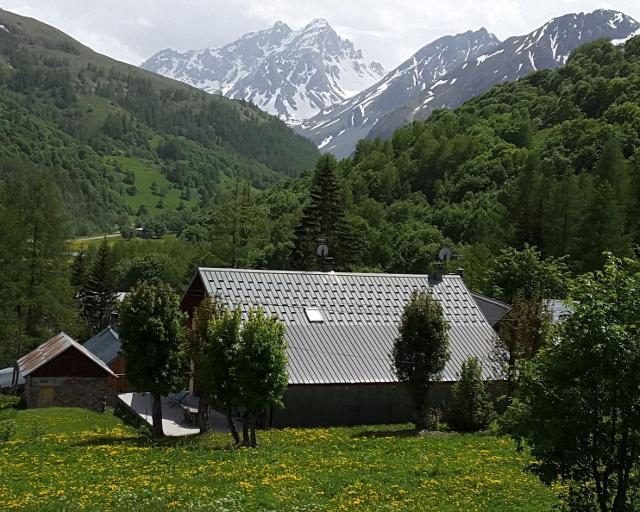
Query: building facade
62, 373
340, 330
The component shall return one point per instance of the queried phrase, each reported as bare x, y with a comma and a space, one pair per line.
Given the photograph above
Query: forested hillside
552, 161
68, 109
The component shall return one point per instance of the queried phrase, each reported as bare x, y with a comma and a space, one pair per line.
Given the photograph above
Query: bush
472, 408
37, 431
9, 402
7, 430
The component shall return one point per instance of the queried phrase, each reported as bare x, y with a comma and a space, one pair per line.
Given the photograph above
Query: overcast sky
388, 31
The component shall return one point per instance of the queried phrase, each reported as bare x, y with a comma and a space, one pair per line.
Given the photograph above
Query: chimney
460, 272
438, 272
327, 264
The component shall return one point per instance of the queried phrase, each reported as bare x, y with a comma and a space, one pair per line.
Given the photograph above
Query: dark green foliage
98, 298
522, 332
577, 402
151, 331
421, 350
79, 276
151, 268
472, 407
322, 218
197, 338
36, 298
239, 364
526, 271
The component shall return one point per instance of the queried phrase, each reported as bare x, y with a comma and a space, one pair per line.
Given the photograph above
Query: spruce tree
78, 277
527, 204
323, 217
562, 215
99, 293
603, 228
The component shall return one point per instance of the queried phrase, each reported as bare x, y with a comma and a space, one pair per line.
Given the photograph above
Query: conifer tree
562, 216
78, 277
324, 217
527, 207
100, 291
603, 228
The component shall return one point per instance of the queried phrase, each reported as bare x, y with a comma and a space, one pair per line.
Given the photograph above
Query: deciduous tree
577, 402
261, 368
151, 331
421, 350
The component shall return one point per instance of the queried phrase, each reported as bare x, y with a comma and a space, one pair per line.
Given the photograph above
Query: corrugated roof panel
105, 345
361, 314
51, 349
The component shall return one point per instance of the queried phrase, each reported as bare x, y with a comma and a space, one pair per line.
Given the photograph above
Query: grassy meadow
145, 174
71, 459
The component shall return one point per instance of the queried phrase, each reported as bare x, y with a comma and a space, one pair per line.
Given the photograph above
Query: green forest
93, 123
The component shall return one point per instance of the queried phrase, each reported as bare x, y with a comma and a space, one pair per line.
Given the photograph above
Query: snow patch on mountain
294, 74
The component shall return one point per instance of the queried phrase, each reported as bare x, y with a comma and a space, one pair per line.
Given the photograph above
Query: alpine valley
319, 83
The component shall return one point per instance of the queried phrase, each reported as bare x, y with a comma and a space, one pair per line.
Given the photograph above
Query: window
314, 315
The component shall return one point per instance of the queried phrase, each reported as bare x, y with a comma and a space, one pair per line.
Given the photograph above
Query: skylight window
314, 315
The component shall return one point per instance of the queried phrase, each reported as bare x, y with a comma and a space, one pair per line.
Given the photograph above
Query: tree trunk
246, 421
249, 430
203, 415
253, 434
232, 426
421, 412
156, 415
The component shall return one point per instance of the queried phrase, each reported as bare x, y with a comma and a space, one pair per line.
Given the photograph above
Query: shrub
472, 408
7, 429
9, 402
37, 431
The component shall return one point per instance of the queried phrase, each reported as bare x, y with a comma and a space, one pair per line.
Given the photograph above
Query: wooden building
62, 373
340, 330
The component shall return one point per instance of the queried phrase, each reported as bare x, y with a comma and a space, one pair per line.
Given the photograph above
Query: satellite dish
322, 251
445, 254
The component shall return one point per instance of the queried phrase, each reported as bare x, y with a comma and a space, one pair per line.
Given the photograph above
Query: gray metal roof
6, 378
361, 314
105, 345
51, 349
492, 309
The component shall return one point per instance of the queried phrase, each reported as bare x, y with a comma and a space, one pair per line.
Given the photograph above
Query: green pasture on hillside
145, 174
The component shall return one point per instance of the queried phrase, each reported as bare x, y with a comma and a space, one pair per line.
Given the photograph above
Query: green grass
56, 421
93, 462
145, 175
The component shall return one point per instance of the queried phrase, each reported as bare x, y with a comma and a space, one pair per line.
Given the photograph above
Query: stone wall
87, 393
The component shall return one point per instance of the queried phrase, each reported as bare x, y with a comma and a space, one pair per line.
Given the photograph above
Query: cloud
386, 31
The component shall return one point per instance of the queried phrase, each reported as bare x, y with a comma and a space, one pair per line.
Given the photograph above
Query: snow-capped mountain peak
338, 128
290, 73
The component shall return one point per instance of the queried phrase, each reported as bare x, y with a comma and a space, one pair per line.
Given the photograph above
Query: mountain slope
548, 47
338, 128
291, 74
71, 110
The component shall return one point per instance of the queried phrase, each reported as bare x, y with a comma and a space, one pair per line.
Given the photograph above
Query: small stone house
340, 329
62, 373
